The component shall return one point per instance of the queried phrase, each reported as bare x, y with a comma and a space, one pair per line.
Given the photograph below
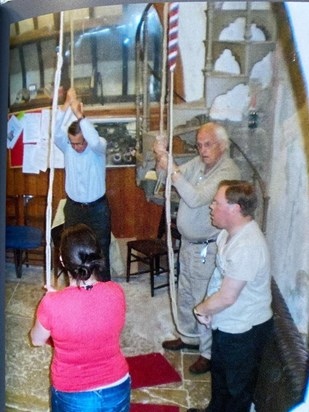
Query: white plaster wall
298, 14
288, 217
295, 129
192, 33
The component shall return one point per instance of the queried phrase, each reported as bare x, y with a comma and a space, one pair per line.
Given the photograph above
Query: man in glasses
238, 303
85, 168
196, 183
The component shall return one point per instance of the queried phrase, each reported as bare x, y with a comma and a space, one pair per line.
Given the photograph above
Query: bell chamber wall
99, 62
132, 214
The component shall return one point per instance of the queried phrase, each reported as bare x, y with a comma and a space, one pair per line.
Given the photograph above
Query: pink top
85, 326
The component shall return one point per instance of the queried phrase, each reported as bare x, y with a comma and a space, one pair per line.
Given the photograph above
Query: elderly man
238, 303
196, 183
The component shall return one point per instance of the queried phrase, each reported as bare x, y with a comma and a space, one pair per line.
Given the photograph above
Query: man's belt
203, 242
205, 247
90, 204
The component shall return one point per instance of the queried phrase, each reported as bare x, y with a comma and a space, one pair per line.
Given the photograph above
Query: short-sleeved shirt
85, 326
244, 257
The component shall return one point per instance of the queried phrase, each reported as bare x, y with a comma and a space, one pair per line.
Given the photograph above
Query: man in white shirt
85, 169
238, 302
196, 182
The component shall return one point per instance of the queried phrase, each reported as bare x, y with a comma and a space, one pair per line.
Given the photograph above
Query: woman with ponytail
83, 322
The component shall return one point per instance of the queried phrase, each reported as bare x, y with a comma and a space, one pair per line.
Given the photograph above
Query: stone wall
288, 218
277, 148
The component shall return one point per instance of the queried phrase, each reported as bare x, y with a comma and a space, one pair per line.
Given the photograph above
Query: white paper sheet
15, 127
32, 127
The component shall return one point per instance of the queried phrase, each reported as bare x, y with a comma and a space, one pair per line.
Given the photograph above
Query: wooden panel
132, 215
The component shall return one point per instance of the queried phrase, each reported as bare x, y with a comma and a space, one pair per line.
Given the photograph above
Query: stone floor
148, 323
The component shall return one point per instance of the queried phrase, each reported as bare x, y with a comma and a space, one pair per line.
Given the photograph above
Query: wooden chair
22, 239
34, 215
151, 253
26, 234
12, 219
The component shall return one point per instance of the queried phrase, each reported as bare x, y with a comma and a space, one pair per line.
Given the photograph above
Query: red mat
151, 370
140, 407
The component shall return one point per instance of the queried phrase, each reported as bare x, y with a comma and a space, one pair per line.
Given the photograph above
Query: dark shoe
178, 344
202, 365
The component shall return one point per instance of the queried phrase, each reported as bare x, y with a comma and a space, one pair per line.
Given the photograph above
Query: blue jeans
114, 399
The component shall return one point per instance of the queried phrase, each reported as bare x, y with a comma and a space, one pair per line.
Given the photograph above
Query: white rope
171, 260
168, 207
51, 153
72, 49
163, 71
168, 183
161, 173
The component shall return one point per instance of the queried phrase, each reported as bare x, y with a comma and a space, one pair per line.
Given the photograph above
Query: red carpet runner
151, 370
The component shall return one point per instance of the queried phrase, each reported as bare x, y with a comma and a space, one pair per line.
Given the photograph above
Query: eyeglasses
206, 145
76, 144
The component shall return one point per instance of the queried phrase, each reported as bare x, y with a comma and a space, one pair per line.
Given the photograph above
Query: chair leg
18, 253
152, 274
157, 265
128, 263
26, 259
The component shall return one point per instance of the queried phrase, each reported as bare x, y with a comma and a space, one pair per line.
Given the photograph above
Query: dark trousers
97, 216
234, 369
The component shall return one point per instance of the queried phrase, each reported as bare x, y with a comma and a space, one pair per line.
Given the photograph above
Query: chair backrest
162, 227
12, 210
28, 210
34, 209
35, 215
